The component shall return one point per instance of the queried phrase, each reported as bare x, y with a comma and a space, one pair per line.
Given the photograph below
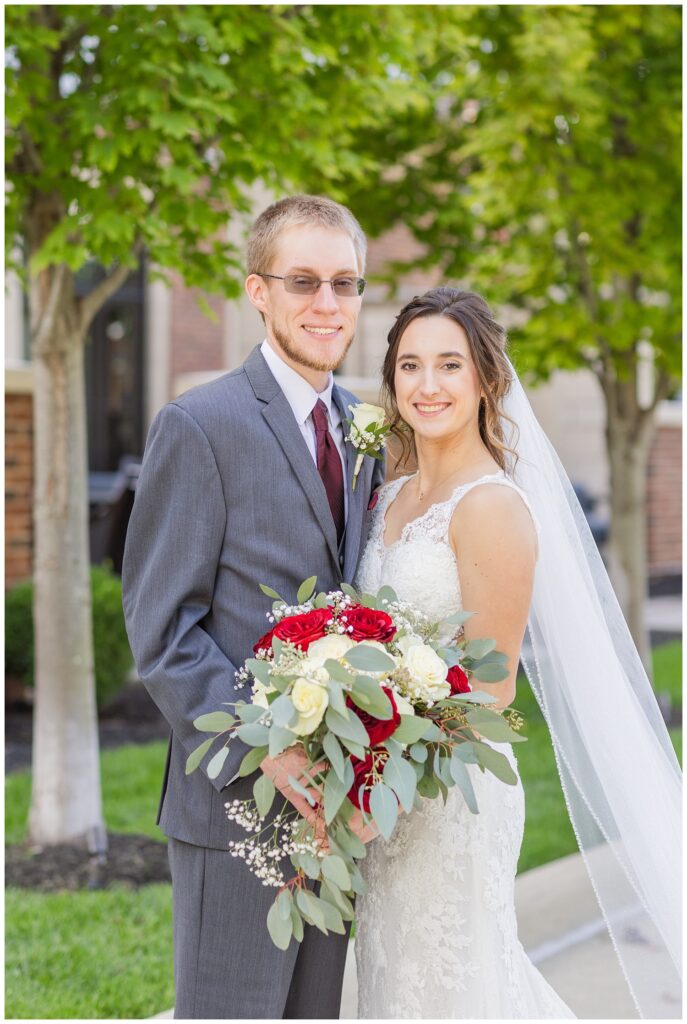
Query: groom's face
312, 333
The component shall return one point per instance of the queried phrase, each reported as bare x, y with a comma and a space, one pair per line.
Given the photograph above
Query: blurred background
531, 153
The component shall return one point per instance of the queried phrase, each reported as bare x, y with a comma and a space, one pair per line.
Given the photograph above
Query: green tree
132, 130
548, 178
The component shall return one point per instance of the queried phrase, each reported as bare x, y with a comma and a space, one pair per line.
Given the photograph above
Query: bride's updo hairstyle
487, 340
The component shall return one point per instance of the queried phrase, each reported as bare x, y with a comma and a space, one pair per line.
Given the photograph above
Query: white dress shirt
302, 398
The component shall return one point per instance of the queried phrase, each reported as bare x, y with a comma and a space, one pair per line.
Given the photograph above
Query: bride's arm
494, 540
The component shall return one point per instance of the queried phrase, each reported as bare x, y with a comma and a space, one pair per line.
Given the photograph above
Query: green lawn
109, 954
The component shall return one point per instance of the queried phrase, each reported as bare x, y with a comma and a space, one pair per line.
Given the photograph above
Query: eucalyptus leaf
254, 734
215, 721
332, 749
250, 712
336, 790
384, 808
399, 776
216, 763
332, 893
495, 762
349, 842
309, 904
260, 668
252, 761
271, 593
411, 729
333, 921
334, 869
280, 739
369, 659
493, 726
457, 619
336, 697
305, 591
353, 748
279, 929
368, 600
479, 647
283, 711
284, 904
386, 595
466, 752
369, 696
263, 792
339, 672
432, 731
311, 865
197, 755
418, 752
299, 788
477, 697
350, 592
347, 728
296, 923
462, 779
491, 673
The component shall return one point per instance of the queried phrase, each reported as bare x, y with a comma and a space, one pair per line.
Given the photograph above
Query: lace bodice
420, 565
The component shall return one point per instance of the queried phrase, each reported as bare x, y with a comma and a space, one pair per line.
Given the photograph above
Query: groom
246, 480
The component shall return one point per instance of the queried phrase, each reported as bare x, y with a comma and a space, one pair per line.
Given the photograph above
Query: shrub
112, 654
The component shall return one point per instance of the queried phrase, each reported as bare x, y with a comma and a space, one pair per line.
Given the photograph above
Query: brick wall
196, 342
664, 503
18, 487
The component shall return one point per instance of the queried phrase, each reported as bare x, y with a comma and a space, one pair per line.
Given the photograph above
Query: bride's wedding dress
436, 932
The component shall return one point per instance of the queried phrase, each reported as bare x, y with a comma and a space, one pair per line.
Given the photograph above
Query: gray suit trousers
225, 965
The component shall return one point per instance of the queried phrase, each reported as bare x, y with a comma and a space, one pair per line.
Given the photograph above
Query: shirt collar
300, 395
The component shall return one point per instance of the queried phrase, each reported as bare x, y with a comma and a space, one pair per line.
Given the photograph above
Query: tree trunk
65, 798
629, 431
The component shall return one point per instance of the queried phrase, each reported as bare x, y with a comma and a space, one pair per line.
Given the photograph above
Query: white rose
334, 646
365, 415
260, 692
427, 671
310, 701
408, 641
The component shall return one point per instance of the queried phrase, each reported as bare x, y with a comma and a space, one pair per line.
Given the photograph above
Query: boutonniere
368, 432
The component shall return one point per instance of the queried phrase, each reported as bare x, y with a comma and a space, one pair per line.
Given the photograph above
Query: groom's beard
301, 356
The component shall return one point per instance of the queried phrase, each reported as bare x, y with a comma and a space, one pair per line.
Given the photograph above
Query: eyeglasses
303, 284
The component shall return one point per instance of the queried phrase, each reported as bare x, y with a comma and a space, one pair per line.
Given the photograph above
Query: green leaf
349, 842
411, 729
466, 752
493, 726
334, 869
490, 673
332, 894
279, 929
432, 732
250, 712
311, 865
368, 695
263, 791
399, 776
353, 748
336, 790
369, 659
296, 923
215, 721
283, 711
457, 619
254, 734
384, 808
347, 728
197, 755
478, 647
495, 762
477, 697
349, 590
284, 904
462, 779
333, 750
271, 593
300, 788
336, 695
305, 591
386, 595
260, 668
217, 763
252, 761
333, 920
418, 752
309, 904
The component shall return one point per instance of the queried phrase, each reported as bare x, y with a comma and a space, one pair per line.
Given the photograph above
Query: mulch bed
132, 861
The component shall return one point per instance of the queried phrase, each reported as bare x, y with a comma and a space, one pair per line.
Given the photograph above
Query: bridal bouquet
380, 701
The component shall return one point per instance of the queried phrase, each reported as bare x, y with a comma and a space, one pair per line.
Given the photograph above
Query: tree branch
92, 302
46, 323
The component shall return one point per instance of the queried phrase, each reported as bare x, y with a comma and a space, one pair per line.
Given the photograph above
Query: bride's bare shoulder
493, 515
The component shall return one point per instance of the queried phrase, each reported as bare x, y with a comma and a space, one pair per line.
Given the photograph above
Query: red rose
458, 680
301, 630
363, 775
368, 624
378, 729
264, 643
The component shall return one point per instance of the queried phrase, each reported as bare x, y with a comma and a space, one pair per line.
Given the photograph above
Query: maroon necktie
329, 466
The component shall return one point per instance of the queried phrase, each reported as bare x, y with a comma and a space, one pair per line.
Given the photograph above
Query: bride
489, 523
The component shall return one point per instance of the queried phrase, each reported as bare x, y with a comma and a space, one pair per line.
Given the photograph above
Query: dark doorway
115, 373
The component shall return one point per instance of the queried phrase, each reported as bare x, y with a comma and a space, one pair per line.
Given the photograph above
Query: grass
109, 954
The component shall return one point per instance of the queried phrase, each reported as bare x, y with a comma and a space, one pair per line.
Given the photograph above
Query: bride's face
437, 386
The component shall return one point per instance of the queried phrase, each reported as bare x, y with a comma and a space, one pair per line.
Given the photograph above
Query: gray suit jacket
228, 497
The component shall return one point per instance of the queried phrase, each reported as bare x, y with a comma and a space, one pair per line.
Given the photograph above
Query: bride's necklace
423, 492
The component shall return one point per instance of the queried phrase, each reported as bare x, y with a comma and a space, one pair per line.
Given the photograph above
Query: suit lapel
355, 497
279, 416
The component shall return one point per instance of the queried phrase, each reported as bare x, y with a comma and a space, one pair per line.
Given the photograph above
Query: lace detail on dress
436, 931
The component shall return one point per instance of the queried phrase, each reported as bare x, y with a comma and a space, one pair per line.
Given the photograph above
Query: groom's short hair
299, 209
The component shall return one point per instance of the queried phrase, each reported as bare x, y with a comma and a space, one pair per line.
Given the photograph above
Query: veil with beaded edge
619, 773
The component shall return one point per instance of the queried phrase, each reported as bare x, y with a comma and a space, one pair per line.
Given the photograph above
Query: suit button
341, 560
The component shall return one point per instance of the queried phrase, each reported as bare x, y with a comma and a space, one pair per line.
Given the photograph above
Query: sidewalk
561, 928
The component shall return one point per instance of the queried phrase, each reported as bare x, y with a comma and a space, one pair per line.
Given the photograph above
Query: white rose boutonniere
368, 431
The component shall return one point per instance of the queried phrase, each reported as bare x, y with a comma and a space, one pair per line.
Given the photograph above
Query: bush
112, 654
